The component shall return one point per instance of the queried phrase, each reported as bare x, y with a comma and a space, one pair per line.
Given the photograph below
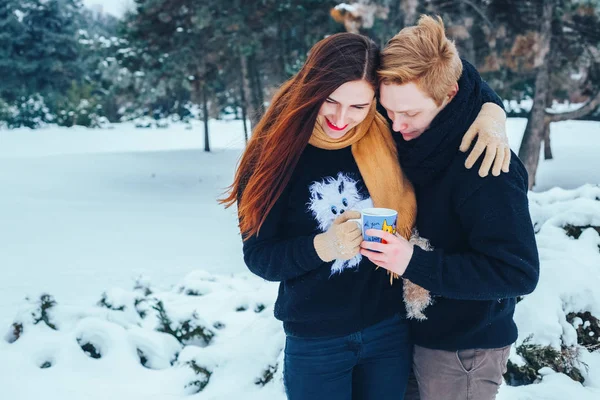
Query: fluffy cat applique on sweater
331, 197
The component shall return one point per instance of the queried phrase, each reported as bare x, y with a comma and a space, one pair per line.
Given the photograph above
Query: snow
114, 7
569, 281
346, 7
575, 146
89, 209
555, 108
127, 218
241, 306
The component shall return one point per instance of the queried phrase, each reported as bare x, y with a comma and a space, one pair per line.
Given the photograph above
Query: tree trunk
238, 109
281, 47
243, 107
409, 9
253, 114
529, 152
399, 12
469, 50
547, 146
256, 86
205, 117
468, 44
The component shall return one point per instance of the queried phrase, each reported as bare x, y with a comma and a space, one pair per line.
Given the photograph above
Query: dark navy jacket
485, 253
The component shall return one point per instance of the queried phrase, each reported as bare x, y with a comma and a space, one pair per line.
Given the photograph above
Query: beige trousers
472, 374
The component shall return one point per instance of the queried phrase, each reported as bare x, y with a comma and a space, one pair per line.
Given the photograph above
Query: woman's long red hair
282, 134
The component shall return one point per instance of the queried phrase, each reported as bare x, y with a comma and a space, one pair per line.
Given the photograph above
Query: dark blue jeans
372, 364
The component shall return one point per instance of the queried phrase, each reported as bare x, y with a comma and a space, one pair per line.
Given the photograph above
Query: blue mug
383, 219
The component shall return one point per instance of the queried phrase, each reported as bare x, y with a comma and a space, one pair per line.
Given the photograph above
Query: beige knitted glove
490, 127
342, 239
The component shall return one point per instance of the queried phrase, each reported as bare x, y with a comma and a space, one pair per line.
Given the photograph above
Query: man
484, 252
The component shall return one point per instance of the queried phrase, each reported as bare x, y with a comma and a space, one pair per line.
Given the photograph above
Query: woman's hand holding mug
342, 239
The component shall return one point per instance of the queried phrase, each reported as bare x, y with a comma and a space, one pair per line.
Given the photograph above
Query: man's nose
399, 125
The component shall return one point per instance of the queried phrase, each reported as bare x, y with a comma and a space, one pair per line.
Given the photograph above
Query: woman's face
345, 108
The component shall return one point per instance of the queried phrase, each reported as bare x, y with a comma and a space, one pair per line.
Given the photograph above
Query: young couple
321, 153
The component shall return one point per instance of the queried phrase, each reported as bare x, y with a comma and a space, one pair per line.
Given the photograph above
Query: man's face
409, 108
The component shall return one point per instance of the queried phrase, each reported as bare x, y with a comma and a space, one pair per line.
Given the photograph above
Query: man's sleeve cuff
421, 267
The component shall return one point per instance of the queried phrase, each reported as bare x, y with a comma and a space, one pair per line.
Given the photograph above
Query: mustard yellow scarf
375, 154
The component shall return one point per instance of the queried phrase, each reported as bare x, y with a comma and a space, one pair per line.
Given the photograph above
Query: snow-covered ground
84, 212
575, 147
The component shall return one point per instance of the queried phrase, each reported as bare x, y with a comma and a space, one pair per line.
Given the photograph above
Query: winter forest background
121, 123
67, 64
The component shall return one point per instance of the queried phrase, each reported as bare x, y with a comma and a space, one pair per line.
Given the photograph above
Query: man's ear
453, 92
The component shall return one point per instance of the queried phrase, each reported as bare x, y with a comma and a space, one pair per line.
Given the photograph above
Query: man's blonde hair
424, 55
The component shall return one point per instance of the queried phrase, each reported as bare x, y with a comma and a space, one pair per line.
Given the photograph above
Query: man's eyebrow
398, 111
359, 105
387, 108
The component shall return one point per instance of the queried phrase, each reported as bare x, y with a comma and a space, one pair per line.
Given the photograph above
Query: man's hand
393, 255
490, 127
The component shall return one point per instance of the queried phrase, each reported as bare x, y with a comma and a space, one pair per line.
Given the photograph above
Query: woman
319, 153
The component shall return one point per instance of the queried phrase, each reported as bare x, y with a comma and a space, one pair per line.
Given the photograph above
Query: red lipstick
333, 127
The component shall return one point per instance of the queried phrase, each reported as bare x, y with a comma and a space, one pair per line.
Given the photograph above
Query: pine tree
12, 38
174, 45
50, 48
110, 84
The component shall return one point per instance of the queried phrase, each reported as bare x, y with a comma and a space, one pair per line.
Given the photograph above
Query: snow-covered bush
148, 117
203, 377
84, 112
187, 330
588, 329
36, 112
5, 113
536, 357
32, 313
191, 334
31, 112
558, 322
